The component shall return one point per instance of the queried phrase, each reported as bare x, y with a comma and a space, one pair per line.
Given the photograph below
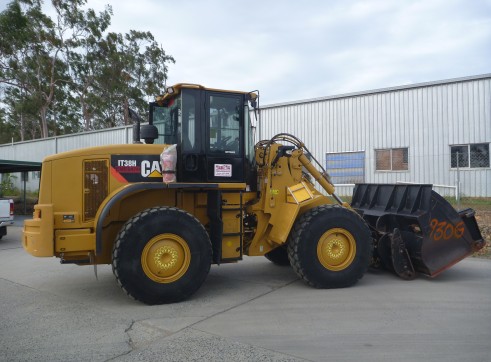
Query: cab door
191, 131
224, 114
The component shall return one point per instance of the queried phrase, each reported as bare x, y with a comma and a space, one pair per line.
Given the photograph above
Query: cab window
225, 124
189, 121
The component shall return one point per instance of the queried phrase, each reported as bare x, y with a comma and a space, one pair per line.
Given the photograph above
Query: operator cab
212, 130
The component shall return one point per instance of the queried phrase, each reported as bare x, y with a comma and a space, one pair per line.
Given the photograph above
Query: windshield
166, 118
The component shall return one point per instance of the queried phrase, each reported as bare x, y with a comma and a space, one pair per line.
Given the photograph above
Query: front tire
161, 255
330, 247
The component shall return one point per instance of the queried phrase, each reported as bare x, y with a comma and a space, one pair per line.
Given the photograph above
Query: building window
470, 156
346, 167
392, 159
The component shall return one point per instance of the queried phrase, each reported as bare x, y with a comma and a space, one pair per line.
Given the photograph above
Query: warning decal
223, 170
136, 168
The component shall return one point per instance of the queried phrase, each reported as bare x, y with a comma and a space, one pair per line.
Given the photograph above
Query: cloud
292, 50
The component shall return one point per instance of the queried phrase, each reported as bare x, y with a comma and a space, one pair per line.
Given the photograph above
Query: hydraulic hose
321, 177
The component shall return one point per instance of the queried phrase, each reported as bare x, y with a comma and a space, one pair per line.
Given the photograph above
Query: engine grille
95, 186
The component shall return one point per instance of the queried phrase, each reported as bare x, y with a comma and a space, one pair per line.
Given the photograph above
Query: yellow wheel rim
336, 249
166, 258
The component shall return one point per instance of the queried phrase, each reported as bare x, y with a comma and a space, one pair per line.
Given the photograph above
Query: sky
294, 50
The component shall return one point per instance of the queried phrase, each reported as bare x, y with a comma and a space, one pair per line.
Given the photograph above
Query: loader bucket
415, 229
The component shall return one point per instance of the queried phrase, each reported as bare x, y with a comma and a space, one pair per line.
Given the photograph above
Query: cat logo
136, 168
150, 169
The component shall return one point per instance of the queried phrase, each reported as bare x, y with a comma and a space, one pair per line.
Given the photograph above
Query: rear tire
279, 256
161, 255
330, 247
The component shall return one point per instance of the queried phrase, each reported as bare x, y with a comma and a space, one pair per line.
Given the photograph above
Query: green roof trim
12, 166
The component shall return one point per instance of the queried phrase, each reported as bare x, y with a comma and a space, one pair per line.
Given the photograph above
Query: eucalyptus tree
134, 70
69, 72
34, 52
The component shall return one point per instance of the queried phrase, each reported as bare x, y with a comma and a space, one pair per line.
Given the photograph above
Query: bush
7, 185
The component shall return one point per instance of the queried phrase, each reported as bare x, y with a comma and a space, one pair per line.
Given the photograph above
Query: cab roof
176, 89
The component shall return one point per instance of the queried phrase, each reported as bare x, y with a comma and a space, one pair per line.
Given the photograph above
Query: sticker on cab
223, 170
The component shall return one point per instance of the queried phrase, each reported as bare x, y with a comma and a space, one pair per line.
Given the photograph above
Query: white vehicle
6, 215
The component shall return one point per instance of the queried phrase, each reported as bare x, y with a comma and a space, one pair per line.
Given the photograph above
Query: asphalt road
250, 311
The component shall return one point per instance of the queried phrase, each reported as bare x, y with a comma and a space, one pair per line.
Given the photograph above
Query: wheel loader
200, 191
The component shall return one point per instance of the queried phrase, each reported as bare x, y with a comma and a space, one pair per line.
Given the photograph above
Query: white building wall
427, 119
36, 150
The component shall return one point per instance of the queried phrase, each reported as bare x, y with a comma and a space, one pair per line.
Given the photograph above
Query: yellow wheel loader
200, 192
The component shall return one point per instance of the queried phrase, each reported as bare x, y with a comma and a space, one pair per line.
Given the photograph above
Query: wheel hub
165, 258
336, 249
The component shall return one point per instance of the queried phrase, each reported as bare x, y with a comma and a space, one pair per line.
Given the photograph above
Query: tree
23, 114
135, 68
69, 73
7, 130
31, 58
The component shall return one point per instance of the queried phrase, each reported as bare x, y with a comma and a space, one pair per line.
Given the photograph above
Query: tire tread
295, 239
121, 241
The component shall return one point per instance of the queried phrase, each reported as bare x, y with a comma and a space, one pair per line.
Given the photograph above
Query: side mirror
149, 133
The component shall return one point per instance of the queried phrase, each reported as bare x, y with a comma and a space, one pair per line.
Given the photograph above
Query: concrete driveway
250, 311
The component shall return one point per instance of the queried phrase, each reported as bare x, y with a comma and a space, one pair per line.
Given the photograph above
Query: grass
477, 203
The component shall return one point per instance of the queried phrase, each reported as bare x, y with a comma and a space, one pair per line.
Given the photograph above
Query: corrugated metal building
435, 132
425, 133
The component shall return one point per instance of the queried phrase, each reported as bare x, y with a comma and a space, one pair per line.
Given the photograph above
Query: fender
126, 190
